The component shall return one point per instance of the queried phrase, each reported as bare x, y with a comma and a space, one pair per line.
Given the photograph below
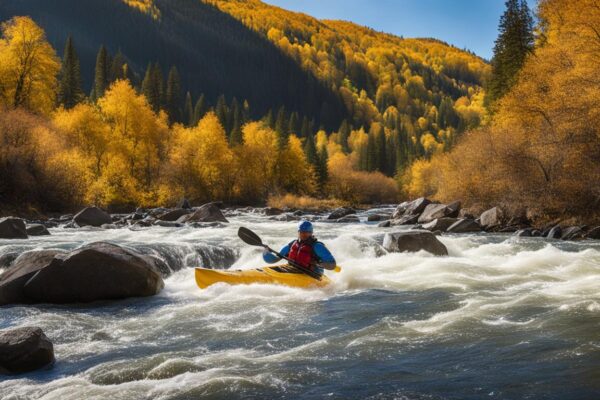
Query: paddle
253, 239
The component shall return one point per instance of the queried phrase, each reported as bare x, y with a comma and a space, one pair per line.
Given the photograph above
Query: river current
500, 318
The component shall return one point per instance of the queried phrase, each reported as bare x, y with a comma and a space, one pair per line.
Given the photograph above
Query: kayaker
306, 251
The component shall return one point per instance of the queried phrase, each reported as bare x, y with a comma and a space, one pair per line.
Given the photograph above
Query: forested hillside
214, 54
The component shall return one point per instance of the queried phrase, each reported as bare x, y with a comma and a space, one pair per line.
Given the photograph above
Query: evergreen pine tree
118, 68
306, 130
69, 91
322, 173
269, 120
151, 87
173, 96
159, 84
199, 110
101, 74
310, 149
294, 124
188, 110
235, 137
281, 127
371, 160
515, 41
344, 134
222, 111
246, 112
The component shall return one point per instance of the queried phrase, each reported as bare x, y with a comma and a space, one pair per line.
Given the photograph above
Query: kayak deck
277, 275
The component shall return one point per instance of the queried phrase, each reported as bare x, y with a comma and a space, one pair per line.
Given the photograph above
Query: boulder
173, 215
206, 213
572, 233
536, 233
409, 219
439, 224
594, 233
435, 211
464, 225
400, 209
37, 230
341, 212
24, 349
348, 218
12, 228
492, 218
413, 241
272, 211
21, 270
384, 224
92, 216
555, 232
416, 206
98, 271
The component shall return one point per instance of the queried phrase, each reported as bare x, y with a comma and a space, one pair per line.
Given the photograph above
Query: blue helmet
305, 226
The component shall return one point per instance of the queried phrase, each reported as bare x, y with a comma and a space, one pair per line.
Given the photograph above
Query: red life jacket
302, 253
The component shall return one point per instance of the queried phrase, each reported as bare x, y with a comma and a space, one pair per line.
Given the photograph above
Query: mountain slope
372, 70
215, 54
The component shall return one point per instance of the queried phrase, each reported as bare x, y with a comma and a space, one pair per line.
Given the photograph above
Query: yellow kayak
277, 275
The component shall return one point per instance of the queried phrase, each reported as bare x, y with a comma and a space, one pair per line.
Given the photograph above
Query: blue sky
471, 24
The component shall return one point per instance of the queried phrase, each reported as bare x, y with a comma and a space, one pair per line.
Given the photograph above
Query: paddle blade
249, 237
337, 269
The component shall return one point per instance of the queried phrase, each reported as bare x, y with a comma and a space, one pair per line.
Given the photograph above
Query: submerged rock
348, 218
37, 230
12, 228
555, 232
24, 349
413, 241
173, 215
384, 224
92, 216
572, 233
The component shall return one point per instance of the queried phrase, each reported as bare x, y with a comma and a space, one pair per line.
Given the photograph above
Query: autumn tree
28, 66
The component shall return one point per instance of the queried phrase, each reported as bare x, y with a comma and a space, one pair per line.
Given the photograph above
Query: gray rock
98, 271
572, 233
400, 210
206, 213
409, 219
413, 241
21, 270
492, 218
12, 228
555, 232
435, 211
464, 225
536, 233
174, 215
416, 206
109, 226
524, 232
439, 224
384, 224
348, 218
341, 212
24, 349
272, 211
593, 233
376, 217
92, 216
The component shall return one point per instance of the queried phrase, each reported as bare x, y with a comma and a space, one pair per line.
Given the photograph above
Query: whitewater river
500, 318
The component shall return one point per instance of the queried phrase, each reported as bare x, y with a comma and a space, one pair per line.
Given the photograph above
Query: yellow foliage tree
28, 67
295, 174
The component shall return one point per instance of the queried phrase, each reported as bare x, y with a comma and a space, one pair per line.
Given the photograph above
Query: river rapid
501, 318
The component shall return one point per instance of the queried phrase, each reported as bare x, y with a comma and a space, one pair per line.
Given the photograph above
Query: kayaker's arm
272, 258
326, 259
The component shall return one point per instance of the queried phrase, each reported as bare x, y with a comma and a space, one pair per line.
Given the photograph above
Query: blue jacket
322, 253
